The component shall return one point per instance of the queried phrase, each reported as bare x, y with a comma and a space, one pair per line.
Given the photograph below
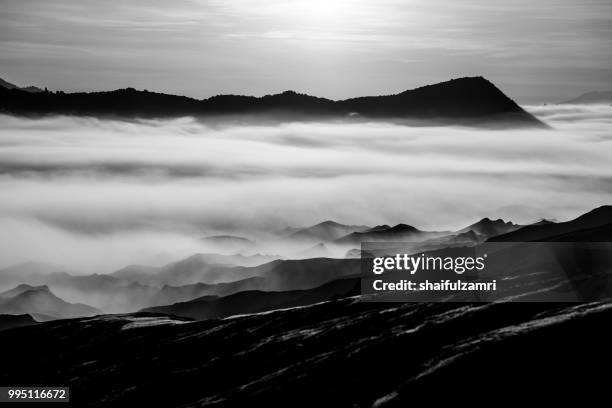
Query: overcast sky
535, 51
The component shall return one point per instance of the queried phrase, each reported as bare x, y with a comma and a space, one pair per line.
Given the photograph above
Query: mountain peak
490, 228
403, 228
328, 223
597, 217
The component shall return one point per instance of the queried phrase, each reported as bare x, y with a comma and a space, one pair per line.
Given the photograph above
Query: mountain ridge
26, 299
597, 217
467, 100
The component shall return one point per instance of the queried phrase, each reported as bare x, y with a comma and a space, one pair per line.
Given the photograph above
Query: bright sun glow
323, 9
330, 13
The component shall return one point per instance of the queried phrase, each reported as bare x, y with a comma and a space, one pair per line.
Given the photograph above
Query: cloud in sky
546, 50
111, 193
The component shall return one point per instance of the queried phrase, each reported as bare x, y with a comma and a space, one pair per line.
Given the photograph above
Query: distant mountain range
604, 97
8, 85
39, 301
297, 333
594, 226
215, 276
399, 232
470, 101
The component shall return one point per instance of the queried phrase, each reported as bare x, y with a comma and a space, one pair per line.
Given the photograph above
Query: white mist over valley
96, 195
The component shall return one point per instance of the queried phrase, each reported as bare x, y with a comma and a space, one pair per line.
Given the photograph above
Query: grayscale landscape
187, 190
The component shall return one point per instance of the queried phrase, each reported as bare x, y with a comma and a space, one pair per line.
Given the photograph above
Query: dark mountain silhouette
170, 294
591, 98
490, 228
8, 321
308, 273
470, 101
326, 231
325, 354
8, 85
258, 301
350, 234
378, 228
602, 233
543, 232
137, 287
399, 232
174, 294
428, 241
285, 275
196, 268
276, 275
33, 300
471, 97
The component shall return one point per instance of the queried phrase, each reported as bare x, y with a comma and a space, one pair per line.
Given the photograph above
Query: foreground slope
26, 299
342, 353
8, 321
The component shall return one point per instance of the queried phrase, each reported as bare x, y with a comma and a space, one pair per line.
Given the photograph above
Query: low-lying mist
95, 195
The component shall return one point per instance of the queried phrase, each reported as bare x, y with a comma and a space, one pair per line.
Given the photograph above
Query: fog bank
98, 194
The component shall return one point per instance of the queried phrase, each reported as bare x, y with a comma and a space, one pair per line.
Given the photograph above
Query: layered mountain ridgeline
41, 303
342, 353
332, 350
253, 295
427, 240
256, 301
594, 226
325, 231
470, 101
399, 232
133, 288
136, 287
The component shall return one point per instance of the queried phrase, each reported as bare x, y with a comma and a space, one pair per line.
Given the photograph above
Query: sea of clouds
99, 194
